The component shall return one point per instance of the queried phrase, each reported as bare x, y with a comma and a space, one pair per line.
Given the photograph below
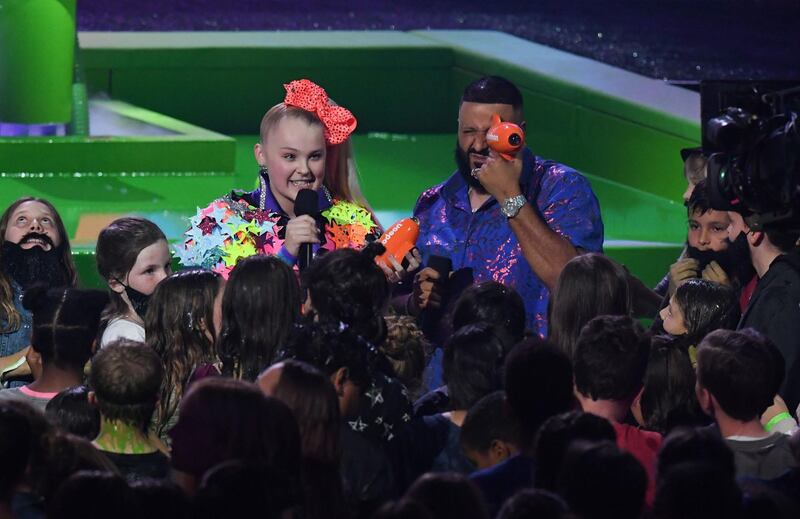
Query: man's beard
35, 265
465, 168
734, 260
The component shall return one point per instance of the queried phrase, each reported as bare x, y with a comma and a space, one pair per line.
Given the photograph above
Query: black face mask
139, 301
33, 266
464, 167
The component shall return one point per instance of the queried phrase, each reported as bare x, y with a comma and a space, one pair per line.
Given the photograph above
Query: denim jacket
19, 339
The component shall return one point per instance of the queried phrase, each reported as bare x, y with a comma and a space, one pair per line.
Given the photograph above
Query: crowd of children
244, 386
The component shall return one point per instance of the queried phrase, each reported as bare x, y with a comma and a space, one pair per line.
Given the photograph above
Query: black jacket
774, 310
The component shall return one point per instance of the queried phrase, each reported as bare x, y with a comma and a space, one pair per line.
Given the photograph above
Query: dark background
677, 40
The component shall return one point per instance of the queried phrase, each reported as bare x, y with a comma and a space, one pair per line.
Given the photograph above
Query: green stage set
172, 119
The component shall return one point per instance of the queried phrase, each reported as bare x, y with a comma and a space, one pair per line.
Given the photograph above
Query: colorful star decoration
226, 231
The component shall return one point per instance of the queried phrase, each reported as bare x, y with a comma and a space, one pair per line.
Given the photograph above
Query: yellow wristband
776, 419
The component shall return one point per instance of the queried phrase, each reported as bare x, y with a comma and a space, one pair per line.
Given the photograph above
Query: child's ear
499, 451
115, 285
258, 153
338, 379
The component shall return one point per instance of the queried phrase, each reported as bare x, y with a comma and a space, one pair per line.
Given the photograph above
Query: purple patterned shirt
484, 242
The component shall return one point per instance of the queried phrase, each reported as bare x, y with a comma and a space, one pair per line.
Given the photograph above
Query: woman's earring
262, 170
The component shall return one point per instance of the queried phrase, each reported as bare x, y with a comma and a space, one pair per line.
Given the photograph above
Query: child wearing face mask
133, 257
304, 144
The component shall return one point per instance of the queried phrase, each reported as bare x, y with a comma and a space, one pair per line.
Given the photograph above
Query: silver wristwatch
510, 208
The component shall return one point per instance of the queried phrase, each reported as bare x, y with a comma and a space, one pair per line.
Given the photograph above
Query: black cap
688, 152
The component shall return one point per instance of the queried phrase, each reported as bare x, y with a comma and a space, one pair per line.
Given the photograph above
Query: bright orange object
505, 138
398, 239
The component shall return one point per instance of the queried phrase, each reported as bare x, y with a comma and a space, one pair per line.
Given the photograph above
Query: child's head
698, 444
472, 364
182, 324
667, 399
71, 411
538, 385
537, 503
313, 400
555, 437
600, 481
223, 419
448, 495
295, 138
738, 373
588, 286
65, 323
15, 447
132, 257
406, 348
342, 355
695, 167
491, 302
611, 358
126, 379
708, 228
698, 490
259, 308
347, 286
699, 307
489, 433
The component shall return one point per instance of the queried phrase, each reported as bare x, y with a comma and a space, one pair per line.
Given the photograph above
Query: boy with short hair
125, 381
610, 362
738, 375
489, 434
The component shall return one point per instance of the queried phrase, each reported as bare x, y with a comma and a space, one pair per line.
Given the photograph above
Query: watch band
511, 207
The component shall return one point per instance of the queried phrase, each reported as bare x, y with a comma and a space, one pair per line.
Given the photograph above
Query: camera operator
756, 177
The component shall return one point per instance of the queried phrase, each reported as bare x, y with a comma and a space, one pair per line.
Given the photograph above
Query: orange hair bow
339, 122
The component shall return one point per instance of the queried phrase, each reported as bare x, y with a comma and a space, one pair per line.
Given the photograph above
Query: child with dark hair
489, 434
555, 437
738, 375
161, 499
132, 258
699, 307
448, 495
313, 401
695, 444
240, 488
352, 364
491, 302
402, 509
538, 385
530, 503
223, 419
94, 495
126, 379
697, 490
610, 362
473, 360
182, 325
667, 399
590, 285
71, 411
407, 350
259, 308
65, 322
15, 447
347, 286
601, 481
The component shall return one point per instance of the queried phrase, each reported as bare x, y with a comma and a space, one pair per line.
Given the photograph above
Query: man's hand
680, 271
714, 273
500, 177
427, 291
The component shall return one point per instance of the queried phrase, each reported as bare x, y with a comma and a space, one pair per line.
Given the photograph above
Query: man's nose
36, 225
